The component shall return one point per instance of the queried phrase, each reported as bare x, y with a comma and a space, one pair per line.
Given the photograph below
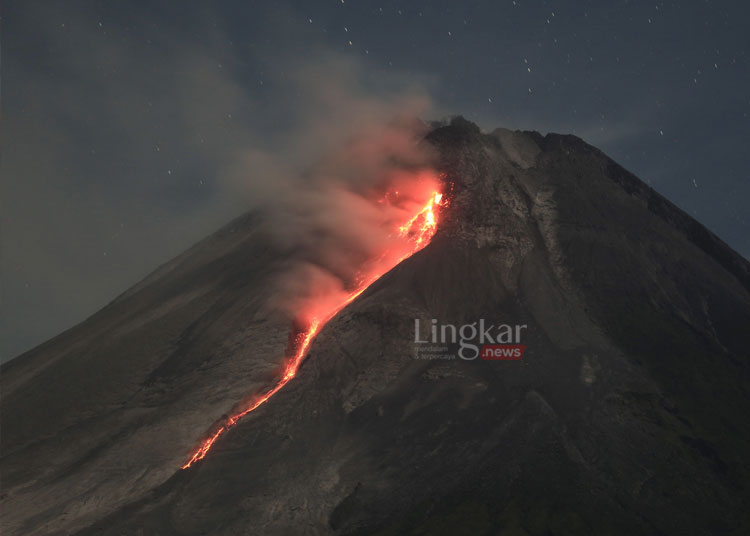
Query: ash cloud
125, 143
322, 186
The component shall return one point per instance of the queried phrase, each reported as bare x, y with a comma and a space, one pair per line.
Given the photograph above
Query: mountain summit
626, 413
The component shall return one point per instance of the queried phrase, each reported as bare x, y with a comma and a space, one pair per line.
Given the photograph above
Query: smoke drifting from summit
146, 153
335, 189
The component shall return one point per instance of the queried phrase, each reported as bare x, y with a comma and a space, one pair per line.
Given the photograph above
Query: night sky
125, 123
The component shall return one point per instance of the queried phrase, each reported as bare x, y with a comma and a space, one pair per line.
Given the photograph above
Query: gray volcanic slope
626, 415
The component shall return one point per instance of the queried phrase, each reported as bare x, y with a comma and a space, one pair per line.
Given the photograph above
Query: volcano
626, 413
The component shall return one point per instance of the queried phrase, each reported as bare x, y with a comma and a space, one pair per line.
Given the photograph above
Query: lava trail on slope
414, 234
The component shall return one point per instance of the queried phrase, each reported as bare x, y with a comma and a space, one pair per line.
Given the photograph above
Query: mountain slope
625, 416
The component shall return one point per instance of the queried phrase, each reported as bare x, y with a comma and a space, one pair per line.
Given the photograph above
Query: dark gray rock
626, 415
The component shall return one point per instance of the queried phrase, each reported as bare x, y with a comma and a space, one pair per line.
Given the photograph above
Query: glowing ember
416, 233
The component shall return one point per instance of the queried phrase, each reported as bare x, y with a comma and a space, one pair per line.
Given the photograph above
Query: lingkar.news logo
470, 341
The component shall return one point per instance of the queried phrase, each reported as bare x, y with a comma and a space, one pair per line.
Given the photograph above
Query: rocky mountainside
626, 414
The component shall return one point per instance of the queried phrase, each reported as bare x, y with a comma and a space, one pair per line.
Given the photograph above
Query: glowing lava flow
418, 231
291, 370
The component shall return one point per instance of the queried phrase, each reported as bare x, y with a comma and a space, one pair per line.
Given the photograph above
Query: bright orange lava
416, 234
